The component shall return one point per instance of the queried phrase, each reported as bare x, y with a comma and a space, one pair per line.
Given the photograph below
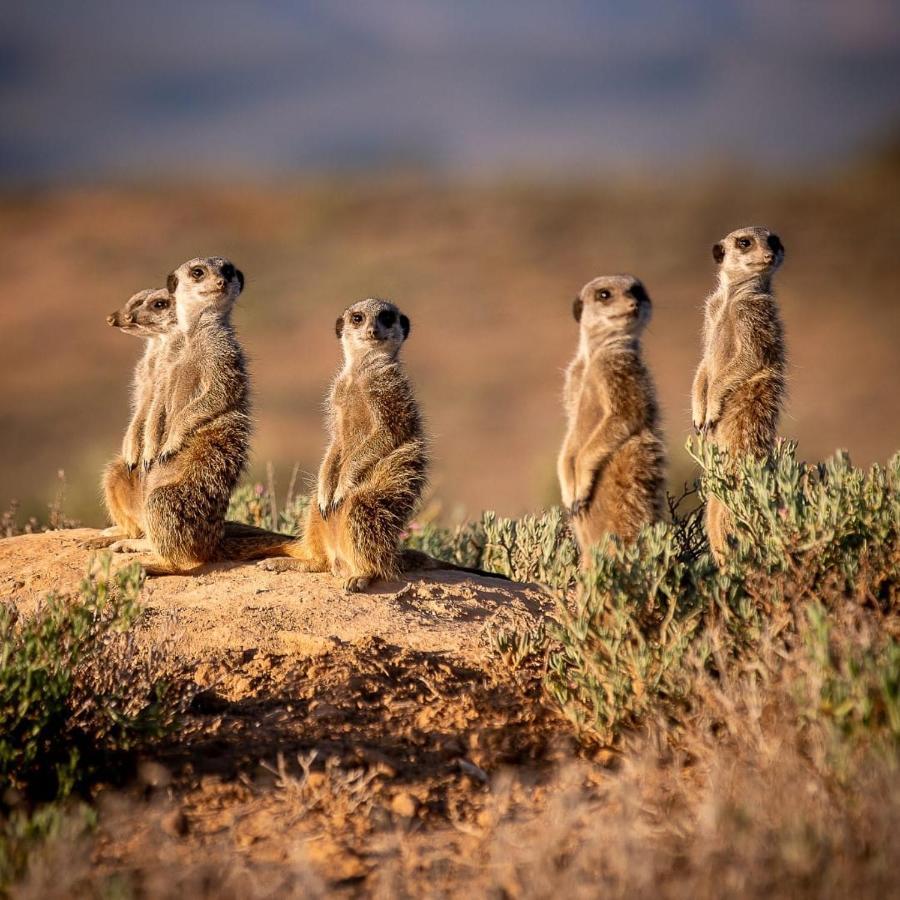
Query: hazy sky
93, 88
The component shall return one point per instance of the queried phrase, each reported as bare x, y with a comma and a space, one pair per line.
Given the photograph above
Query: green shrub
533, 548
817, 537
76, 691
257, 504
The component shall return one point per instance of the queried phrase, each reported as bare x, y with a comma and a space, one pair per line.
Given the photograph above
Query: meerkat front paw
579, 506
130, 458
168, 450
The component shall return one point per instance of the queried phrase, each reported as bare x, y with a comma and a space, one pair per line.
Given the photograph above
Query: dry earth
332, 734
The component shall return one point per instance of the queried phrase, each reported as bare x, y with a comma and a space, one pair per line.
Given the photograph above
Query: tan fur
612, 464
374, 470
739, 387
205, 429
149, 314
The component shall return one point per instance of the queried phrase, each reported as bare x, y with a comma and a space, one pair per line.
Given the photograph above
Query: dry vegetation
673, 730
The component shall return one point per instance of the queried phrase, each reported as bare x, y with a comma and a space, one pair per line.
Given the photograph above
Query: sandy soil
239, 607
329, 730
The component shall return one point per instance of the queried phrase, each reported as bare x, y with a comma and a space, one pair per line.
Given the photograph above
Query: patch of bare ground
323, 722
415, 763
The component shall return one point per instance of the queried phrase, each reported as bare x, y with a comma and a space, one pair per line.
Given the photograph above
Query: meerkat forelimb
612, 464
739, 388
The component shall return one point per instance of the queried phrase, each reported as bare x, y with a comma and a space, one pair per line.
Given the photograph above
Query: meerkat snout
111, 320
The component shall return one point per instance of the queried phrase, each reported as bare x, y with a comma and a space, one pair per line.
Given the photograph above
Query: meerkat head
612, 305
372, 325
146, 314
748, 251
203, 283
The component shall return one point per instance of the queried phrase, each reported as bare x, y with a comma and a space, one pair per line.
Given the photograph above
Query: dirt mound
325, 724
241, 607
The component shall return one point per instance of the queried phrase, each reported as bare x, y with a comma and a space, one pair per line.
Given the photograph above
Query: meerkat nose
111, 319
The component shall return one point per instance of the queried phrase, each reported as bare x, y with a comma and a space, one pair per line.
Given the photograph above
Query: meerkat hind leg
131, 546
356, 584
157, 568
291, 564
306, 554
717, 529
104, 540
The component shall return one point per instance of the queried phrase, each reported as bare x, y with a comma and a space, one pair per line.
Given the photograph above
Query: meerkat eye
161, 304
602, 294
356, 318
197, 273
387, 318
743, 243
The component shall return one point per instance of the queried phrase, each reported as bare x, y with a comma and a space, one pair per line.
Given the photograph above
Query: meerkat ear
339, 326
577, 307
171, 282
718, 252
404, 324
240, 277
775, 244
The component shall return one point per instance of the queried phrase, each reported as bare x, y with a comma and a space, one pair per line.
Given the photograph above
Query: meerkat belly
631, 486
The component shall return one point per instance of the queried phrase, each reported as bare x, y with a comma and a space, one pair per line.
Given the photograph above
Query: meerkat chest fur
373, 396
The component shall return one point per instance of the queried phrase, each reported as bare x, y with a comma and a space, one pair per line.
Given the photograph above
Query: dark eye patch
639, 293
775, 244
387, 318
228, 271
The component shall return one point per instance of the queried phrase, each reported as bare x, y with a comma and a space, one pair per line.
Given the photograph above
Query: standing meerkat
201, 416
374, 471
739, 387
612, 464
149, 314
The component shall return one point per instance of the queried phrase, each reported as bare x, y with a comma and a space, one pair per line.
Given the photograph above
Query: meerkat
198, 430
612, 463
374, 471
739, 387
148, 314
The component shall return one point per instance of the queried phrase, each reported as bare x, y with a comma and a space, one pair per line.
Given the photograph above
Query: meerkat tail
416, 560
253, 545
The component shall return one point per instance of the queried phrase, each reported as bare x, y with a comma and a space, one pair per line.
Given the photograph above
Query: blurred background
477, 163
